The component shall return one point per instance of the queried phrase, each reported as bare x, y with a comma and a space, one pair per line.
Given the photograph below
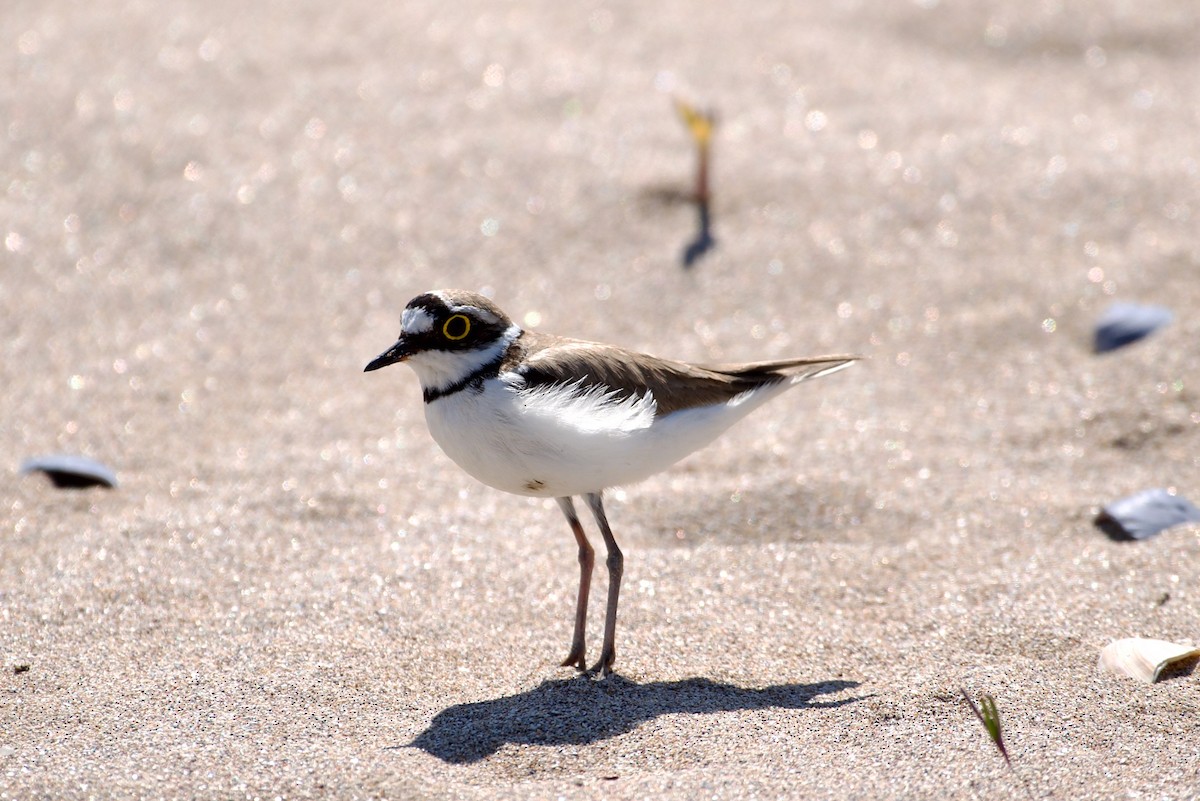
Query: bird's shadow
580, 711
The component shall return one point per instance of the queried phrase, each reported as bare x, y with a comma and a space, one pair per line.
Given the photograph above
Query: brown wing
549, 360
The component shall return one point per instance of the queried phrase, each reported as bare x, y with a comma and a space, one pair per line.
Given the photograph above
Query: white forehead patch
476, 312
415, 321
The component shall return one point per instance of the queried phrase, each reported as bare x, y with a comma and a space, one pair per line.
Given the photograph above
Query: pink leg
587, 558
616, 566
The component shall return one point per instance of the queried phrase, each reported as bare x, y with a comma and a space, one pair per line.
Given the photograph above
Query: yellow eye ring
454, 336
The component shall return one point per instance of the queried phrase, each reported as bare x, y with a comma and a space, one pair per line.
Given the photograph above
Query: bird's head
447, 335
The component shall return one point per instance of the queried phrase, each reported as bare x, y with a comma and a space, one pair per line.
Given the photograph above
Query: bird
539, 415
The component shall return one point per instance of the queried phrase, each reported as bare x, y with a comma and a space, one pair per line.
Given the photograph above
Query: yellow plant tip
699, 123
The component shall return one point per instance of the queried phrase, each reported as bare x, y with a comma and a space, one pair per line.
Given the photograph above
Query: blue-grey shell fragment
1145, 514
71, 472
1123, 323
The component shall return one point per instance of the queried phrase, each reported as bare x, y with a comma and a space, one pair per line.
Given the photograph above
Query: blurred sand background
214, 212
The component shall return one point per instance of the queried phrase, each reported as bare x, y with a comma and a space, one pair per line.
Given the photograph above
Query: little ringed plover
535, 414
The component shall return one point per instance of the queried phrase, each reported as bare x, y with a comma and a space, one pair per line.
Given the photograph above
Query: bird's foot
604, 666
576, 658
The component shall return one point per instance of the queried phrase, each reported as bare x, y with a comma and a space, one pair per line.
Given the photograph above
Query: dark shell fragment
1125, 323
1145, 514
71, 472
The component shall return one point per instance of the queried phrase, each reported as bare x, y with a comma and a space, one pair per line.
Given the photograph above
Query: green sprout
989, 716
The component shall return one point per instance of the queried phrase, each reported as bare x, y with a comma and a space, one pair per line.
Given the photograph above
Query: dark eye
456, 327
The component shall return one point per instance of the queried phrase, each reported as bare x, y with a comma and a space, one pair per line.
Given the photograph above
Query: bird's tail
796, 370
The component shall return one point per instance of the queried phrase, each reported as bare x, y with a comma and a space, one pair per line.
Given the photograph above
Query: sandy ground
214, 212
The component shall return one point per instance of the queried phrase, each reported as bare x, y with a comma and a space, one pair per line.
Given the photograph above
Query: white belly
553, 442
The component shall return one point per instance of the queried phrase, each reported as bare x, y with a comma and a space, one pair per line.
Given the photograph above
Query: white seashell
1144, 659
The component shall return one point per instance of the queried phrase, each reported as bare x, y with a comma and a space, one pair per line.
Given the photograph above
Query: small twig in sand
700, 125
